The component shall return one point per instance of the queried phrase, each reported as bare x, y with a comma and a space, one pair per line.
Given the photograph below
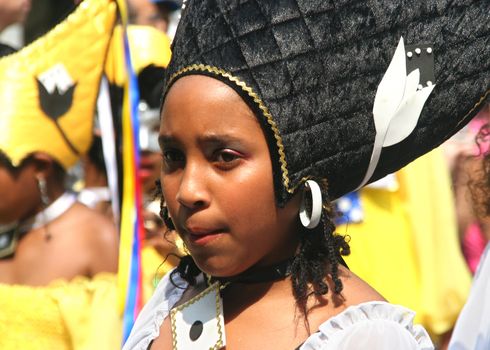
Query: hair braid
319, 256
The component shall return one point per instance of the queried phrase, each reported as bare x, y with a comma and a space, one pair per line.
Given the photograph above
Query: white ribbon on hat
397, 106
104, 110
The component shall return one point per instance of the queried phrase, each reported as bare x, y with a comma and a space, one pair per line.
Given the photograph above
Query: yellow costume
76, 315
407, 246
153, 268
48, 92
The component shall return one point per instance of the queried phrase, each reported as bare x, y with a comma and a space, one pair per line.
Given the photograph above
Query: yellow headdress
48, 90
147, 45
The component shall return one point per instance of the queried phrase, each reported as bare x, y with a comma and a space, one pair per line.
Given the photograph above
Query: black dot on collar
196, 330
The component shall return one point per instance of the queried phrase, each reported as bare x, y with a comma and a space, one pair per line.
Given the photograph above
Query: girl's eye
172, 157
226, 158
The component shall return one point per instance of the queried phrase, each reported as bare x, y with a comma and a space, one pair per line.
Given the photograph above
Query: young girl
266, 118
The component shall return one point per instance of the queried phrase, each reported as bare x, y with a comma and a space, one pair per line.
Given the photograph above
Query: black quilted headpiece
312, 70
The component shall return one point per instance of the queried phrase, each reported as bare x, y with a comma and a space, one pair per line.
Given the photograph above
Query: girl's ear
43, 164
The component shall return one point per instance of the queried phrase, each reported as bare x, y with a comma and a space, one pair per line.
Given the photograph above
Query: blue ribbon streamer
129, 316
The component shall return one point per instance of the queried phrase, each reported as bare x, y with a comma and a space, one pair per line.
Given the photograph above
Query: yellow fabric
76, 315
78, 45
407, 247
147, 46
154, 268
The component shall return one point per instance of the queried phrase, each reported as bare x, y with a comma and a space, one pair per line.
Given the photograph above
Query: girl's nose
193, 192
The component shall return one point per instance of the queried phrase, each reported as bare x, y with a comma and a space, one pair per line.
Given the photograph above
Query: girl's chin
219, 267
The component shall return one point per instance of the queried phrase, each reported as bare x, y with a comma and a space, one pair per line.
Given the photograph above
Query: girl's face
217, 180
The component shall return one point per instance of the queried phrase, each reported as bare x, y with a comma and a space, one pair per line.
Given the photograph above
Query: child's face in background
217, 180
19, 194
13, 11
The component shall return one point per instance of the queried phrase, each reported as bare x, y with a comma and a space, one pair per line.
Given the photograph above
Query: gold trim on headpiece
48, 90
256, 99
482, 99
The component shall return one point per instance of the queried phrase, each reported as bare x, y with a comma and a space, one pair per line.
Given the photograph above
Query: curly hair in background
479, 184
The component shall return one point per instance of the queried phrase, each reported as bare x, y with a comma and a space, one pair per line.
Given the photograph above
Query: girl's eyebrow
212, 138
164, 140
218, 138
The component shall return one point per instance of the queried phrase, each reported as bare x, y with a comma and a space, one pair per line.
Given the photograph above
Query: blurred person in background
464, 152
146, 13
167, 9
13, 11
95, 192
472, 330
155, 13
150, 54
13, 14
58, 258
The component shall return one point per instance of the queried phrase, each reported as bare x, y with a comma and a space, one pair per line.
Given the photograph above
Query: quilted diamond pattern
316, 65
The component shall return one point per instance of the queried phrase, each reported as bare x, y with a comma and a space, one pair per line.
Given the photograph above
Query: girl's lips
202, 237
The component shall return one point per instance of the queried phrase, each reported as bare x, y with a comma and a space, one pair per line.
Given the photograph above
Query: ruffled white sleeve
372, 325
147, 325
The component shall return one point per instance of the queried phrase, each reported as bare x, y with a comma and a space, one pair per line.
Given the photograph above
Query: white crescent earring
43, 190
311, 220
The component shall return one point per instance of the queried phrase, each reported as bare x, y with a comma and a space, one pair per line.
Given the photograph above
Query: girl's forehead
199, 98
206, 109
196, 86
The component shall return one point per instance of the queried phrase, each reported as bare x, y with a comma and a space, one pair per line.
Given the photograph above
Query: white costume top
371, 325
472, 330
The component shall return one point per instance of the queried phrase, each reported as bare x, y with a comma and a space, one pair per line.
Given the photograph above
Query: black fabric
260, 275
6, 50
150, 83
316, 64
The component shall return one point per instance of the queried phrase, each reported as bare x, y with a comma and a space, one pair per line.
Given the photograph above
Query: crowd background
419, 225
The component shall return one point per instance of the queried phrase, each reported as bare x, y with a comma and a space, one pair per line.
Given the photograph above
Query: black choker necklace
12, 233
260, 274
9, 235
